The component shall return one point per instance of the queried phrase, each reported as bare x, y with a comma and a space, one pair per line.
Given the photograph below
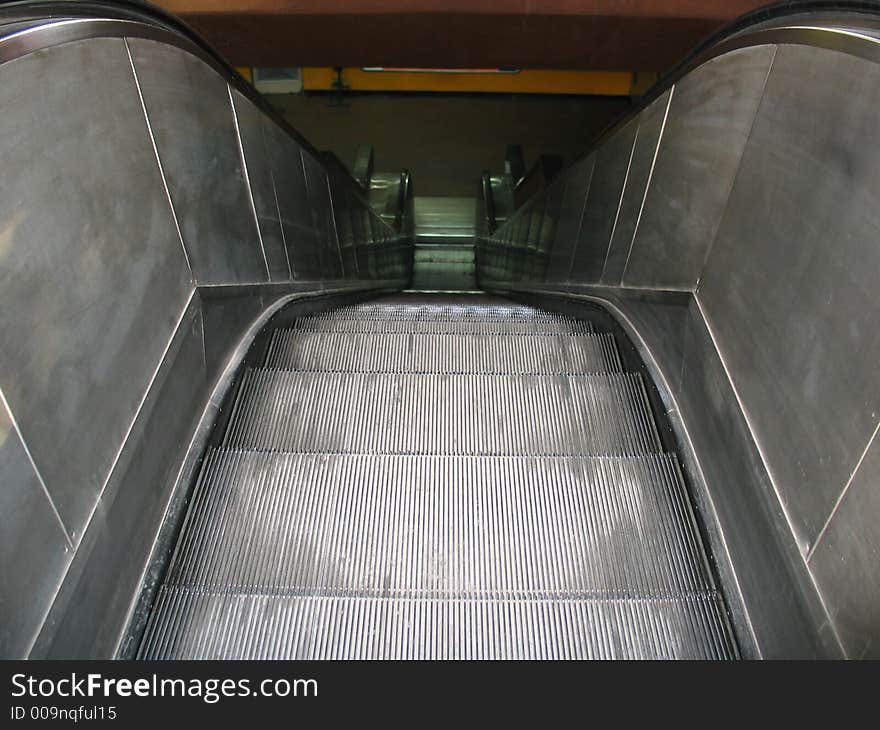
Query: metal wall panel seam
567, 287
842, 494
648, 183
335, 229
247, 180
312, 216
122, 444
577, 240
736, 175
33, 464
280, 223
658, 375
748, 421
137, 85
622, 193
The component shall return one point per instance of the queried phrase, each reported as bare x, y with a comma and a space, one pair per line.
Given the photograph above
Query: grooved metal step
405, 413
462, 541
354, 627
441, 527
451, 353
433, 318
414, 479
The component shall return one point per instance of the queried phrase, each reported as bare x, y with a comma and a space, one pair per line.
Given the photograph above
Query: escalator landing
439, 477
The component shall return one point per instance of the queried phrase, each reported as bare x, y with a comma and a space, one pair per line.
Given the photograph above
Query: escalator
485, 481
252, 406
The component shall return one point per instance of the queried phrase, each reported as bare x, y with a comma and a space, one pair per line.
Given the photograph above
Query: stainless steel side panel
194, 128
90, 263
33, 547
785, 614
288, 174
603, 200
790, 288
576, 188
91, 607
640, 167
709, 120
328, 251
251, 129
846, 558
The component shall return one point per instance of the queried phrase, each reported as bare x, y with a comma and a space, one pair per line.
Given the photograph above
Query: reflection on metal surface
33, 528
193, 123
693, 174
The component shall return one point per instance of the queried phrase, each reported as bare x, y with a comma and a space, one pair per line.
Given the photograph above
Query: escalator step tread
451, 353
351, 627
430, 318
474, 544
439, 478
417, 413
414, 526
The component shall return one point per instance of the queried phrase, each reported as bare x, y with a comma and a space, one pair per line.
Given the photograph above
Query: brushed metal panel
664, 319
298, 226
33, 547
90, 262
224, 319
792, 296
638, 177
536, 221
600, 210
786, 615
343, 201
709, 119
92, 607
194, 128
552, 209
571, 212
322, 216
846, 557
251, 128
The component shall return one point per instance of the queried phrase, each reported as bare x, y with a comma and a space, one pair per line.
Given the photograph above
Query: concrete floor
447, 140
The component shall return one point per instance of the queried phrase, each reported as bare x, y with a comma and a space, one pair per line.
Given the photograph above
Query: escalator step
429, 478
415, 525
453, 353
247, 626
409, 413
323, 556
442, 319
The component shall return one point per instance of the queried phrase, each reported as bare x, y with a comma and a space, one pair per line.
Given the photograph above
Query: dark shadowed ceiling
648, 35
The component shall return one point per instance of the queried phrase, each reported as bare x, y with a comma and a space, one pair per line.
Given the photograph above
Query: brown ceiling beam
646, 35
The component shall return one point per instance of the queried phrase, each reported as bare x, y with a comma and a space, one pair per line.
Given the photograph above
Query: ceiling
644, 35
